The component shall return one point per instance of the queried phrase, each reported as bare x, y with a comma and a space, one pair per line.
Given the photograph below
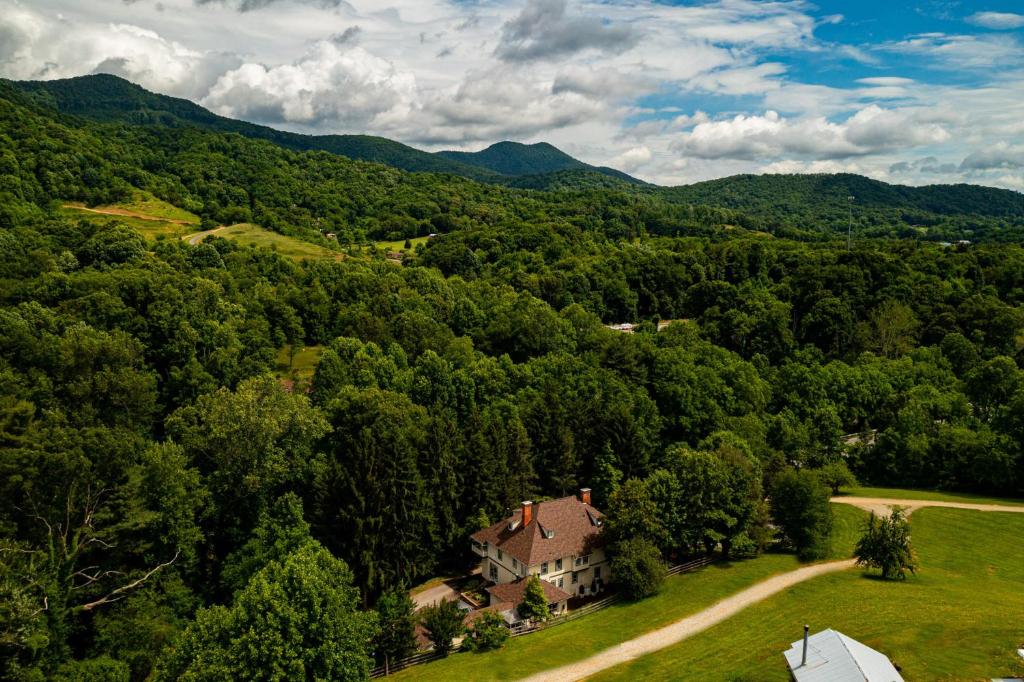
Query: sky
671, 91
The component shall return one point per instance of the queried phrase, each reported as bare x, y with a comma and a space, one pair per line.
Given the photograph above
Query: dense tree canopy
160, 481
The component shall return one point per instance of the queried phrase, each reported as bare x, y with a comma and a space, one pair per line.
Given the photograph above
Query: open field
400, 244
681, 595
248, 234
147, 214
302, 366
958, 619
928, 495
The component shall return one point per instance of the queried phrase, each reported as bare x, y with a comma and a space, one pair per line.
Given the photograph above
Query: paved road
687, 627
433, 595
882, 505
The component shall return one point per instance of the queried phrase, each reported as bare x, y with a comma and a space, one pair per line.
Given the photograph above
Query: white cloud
544, 30
961, 51
35, 46
631, 159
999, 21
870, 130
350, 87
1001, 155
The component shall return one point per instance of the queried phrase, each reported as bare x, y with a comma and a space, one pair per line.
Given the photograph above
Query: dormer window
548, 533
512, 525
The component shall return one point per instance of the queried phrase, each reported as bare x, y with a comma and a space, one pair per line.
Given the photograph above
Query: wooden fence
550, 623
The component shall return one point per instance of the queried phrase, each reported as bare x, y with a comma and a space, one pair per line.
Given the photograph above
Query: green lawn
147, 204
302, 365
929, 495
399, 245
248, 234
958, 619
681, 596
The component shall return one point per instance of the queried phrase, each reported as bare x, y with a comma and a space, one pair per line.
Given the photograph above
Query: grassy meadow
959, 618
152, 217
248, 234
928, 495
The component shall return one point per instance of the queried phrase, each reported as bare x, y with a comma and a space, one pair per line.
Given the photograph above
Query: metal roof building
831, 656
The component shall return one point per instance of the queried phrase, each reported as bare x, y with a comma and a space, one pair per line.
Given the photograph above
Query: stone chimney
585, 495
527, 512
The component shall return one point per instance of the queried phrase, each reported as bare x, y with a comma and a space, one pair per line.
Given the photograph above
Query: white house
559, 541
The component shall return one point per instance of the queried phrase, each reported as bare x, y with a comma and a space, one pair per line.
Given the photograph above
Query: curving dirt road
730, 606
882, 505
194, 239
691, 625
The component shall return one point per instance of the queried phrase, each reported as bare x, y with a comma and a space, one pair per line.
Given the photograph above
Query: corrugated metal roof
834, 657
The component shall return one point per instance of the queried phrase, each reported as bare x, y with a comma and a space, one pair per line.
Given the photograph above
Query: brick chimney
585, 495
527, 512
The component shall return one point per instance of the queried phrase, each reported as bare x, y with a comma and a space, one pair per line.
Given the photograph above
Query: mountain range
801, 200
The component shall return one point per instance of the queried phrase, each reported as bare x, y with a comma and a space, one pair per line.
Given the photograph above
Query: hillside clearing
248, 234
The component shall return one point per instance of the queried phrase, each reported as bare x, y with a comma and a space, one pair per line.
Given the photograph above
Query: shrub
637, 568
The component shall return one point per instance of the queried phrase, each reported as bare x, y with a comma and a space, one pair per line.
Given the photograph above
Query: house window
499, 555
597, 572
583, 560
575, 577
494, 572
515, 564
558, 564
544, 568
561, 582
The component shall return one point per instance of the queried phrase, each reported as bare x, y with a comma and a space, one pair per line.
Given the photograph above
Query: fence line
586, 610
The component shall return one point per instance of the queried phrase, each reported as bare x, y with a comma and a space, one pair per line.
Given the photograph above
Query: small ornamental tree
443, 622
487, 632
886, 545
836, 475
535, 604
638, 568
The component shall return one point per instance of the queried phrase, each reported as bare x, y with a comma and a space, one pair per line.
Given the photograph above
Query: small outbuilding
831, 656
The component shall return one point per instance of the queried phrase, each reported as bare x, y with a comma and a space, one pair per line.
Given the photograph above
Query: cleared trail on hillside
687, 627
128, 214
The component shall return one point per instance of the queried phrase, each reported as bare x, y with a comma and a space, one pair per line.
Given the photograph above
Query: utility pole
849, 228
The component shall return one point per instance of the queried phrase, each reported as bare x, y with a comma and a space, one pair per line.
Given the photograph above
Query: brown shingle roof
575, 525
513, 592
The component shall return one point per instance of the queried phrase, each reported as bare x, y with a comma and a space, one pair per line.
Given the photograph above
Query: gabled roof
574, 528
834, 657
512, 593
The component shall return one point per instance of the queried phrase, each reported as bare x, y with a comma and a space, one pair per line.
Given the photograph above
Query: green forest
170, 508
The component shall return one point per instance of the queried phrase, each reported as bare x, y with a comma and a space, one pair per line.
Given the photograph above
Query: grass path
689, 626
194, 239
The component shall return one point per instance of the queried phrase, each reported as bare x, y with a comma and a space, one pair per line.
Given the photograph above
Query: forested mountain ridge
833, 199
111, 99
513, 158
